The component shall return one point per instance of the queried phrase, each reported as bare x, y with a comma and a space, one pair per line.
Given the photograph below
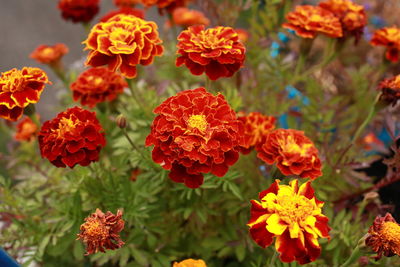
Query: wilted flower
78, 10
195, 133
26, 130
308, 21
125, 11
18, 89
190, 263
75, 136
215, 51
389, 37
293, 153
101, 231
294, 217
384, 236
47, 54
187, 17
122, 42
126, 3
97, 85
390, 90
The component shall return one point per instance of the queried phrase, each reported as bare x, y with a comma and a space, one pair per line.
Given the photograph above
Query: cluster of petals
126, 3
384, 236
293, 153
170, 5
308, 21
256, 127
97, 85
294, 217
75, 136
185, 17
195, 133
26, 130
49, 54
190, 263
18, 89
101, 231
122, 42
125, 10
390, 38
215, 51
390, 89
78, 10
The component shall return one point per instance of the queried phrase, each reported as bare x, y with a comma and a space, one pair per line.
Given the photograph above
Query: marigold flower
293, 153
101, 231
389, 37
125, 11
294, 217
97, 85
79, 10
75, 136
187, 17
384, 236
195, 133
122, 42
170, 5
256, 127
126, 3
352, 16
47, 54
215, 51
243, 35
307, 21
18, 89
390, 90
26, 130
190, 263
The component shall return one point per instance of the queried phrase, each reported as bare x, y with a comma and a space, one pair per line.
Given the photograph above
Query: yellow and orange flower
122, 42
215, 51
352, 16
389, 37
308, 21
75, 136
195, 133
125, 11
126, 3
294, 217
293, 153
384, 236
190, 263
256, 128
18, 89
47, 54
390, 90
97, 85
78, 10
185, 17
101, 231
26, 130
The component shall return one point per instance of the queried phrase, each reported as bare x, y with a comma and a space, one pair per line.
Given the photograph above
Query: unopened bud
121, 121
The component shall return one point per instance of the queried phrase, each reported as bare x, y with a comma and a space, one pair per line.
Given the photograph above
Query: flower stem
132, 143
370, 115
355, 254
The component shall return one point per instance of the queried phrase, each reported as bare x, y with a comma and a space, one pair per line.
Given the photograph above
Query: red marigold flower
75, 136
195, 133
126, 3
78, 10
47, 54
215, 51
294, 217
352, 16
97, 85
384, 236
390, 90
18, 89
293, 153
256, 127
101, 231
389, 37
122, 42
123, 10
190, 263
307, 21
26, 130
187, 17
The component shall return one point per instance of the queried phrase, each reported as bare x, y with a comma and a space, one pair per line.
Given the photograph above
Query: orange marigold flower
195, 133
18, 89
26, 130
390, 90
97, 85
256, 127
123, 10
384, 236
389, 37
294, 217
190, 263
243, 35
352, 16
101, 231
78, 10
293, 153
215, 51
47, 54
126, 3
75, 136
122, 42
307, 21
170, 5
187, 17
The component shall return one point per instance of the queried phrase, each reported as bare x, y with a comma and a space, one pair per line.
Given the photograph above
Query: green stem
273, 259
355, 254
132, 143
370, 115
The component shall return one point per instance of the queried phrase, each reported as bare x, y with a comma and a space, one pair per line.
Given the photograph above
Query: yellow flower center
95, 230
96, 81
65, 125
294, 208
12, 82
391, 232
48, 51
197, 121
290, 146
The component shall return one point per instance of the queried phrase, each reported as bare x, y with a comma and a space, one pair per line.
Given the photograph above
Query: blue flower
283, 37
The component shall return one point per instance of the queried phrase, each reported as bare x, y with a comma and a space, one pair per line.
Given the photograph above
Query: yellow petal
274, 225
